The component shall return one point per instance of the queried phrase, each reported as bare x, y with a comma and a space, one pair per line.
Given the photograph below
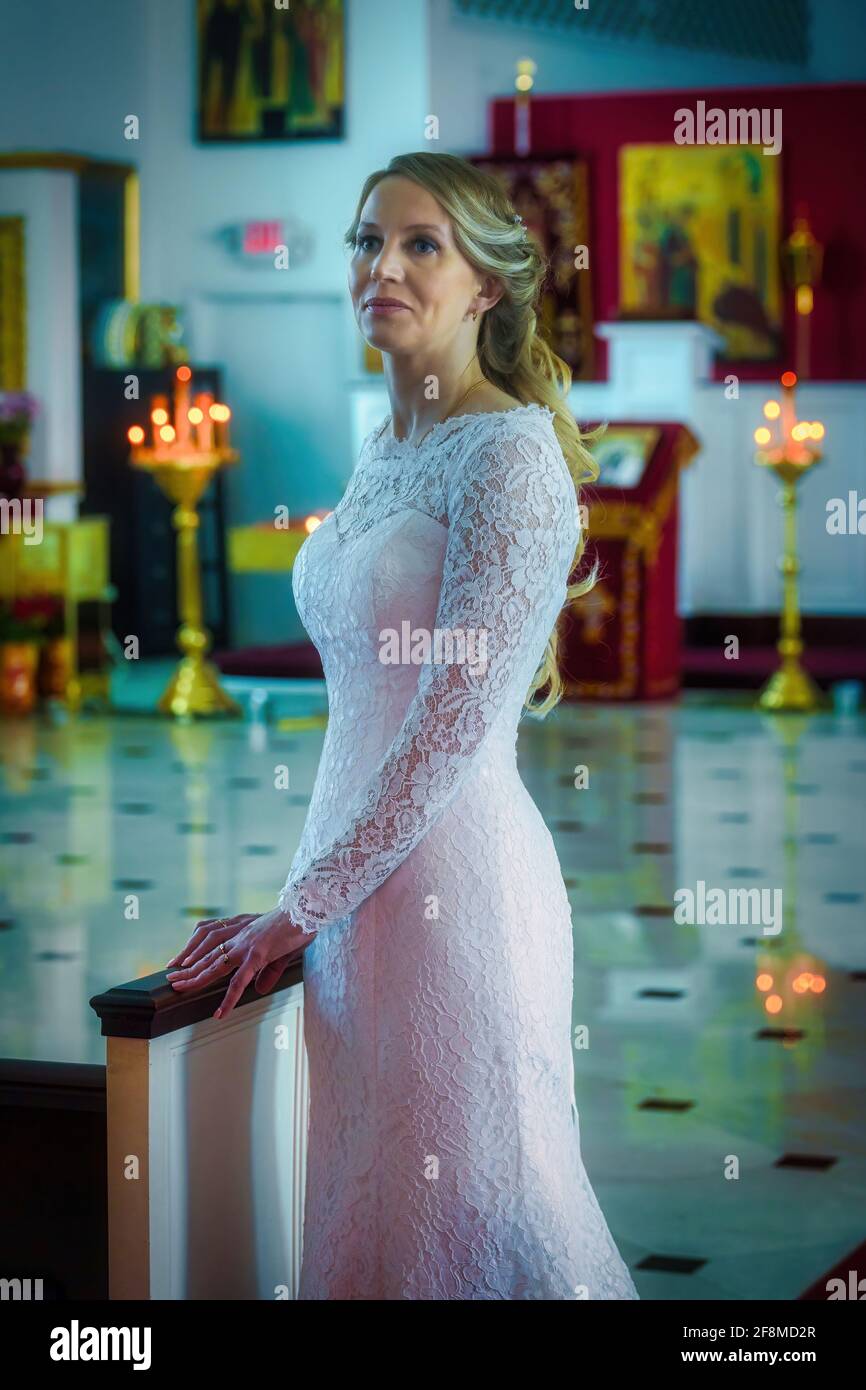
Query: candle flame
171, 422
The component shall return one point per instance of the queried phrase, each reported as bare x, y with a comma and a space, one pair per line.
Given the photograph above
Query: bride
444, 1155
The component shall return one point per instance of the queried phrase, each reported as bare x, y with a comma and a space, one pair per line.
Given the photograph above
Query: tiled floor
725, 1141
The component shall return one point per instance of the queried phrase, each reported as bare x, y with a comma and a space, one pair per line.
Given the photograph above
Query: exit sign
260, 238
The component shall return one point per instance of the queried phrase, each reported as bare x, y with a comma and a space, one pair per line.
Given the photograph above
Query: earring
475, 316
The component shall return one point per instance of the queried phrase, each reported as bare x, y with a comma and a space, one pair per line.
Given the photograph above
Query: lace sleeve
511, 536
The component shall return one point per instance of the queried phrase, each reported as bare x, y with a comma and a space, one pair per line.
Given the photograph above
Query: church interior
183, 394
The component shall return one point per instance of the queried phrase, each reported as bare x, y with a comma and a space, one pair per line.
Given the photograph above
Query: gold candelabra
183, 458
790, 447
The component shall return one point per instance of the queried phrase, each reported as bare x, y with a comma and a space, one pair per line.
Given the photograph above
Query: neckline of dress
388, 443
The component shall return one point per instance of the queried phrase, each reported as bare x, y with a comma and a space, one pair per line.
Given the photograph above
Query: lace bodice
485, 505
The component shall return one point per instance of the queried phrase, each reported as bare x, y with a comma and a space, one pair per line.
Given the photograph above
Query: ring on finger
222, 947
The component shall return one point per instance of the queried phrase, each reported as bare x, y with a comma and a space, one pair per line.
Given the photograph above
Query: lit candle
220, 414
181, 404
196, 415
158, 417
789, 418
204, 429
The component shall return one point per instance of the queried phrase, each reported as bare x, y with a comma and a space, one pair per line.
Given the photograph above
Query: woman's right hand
192, 951
247, 947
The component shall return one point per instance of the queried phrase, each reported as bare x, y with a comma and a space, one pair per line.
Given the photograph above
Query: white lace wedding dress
444, 1150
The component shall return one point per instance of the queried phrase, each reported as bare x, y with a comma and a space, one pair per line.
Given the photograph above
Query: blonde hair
512, 353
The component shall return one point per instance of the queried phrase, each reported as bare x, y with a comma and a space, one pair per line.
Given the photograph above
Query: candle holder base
194, 689
791, 688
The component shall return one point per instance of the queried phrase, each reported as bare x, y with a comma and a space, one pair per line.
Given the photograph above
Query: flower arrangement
17, 412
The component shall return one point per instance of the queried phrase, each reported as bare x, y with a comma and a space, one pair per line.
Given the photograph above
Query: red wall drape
823, 165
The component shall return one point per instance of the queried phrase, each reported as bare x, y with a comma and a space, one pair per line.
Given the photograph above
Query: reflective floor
719, 1029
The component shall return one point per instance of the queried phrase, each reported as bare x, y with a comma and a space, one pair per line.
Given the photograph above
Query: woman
444, 1152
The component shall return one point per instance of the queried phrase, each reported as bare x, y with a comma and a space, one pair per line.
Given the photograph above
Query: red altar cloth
621, 641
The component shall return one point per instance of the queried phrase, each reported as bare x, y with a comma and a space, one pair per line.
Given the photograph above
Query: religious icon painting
270, 72
552, 196
699, 239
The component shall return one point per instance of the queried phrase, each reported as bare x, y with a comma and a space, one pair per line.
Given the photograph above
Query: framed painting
270, 73
552, 197
699, 239
13, 308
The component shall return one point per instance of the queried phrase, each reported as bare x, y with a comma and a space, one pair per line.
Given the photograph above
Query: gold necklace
447, 414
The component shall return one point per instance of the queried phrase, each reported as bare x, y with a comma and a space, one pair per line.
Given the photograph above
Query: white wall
69, 71
731, 523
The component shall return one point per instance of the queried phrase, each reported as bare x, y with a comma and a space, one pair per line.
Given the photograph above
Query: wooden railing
206, 1140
